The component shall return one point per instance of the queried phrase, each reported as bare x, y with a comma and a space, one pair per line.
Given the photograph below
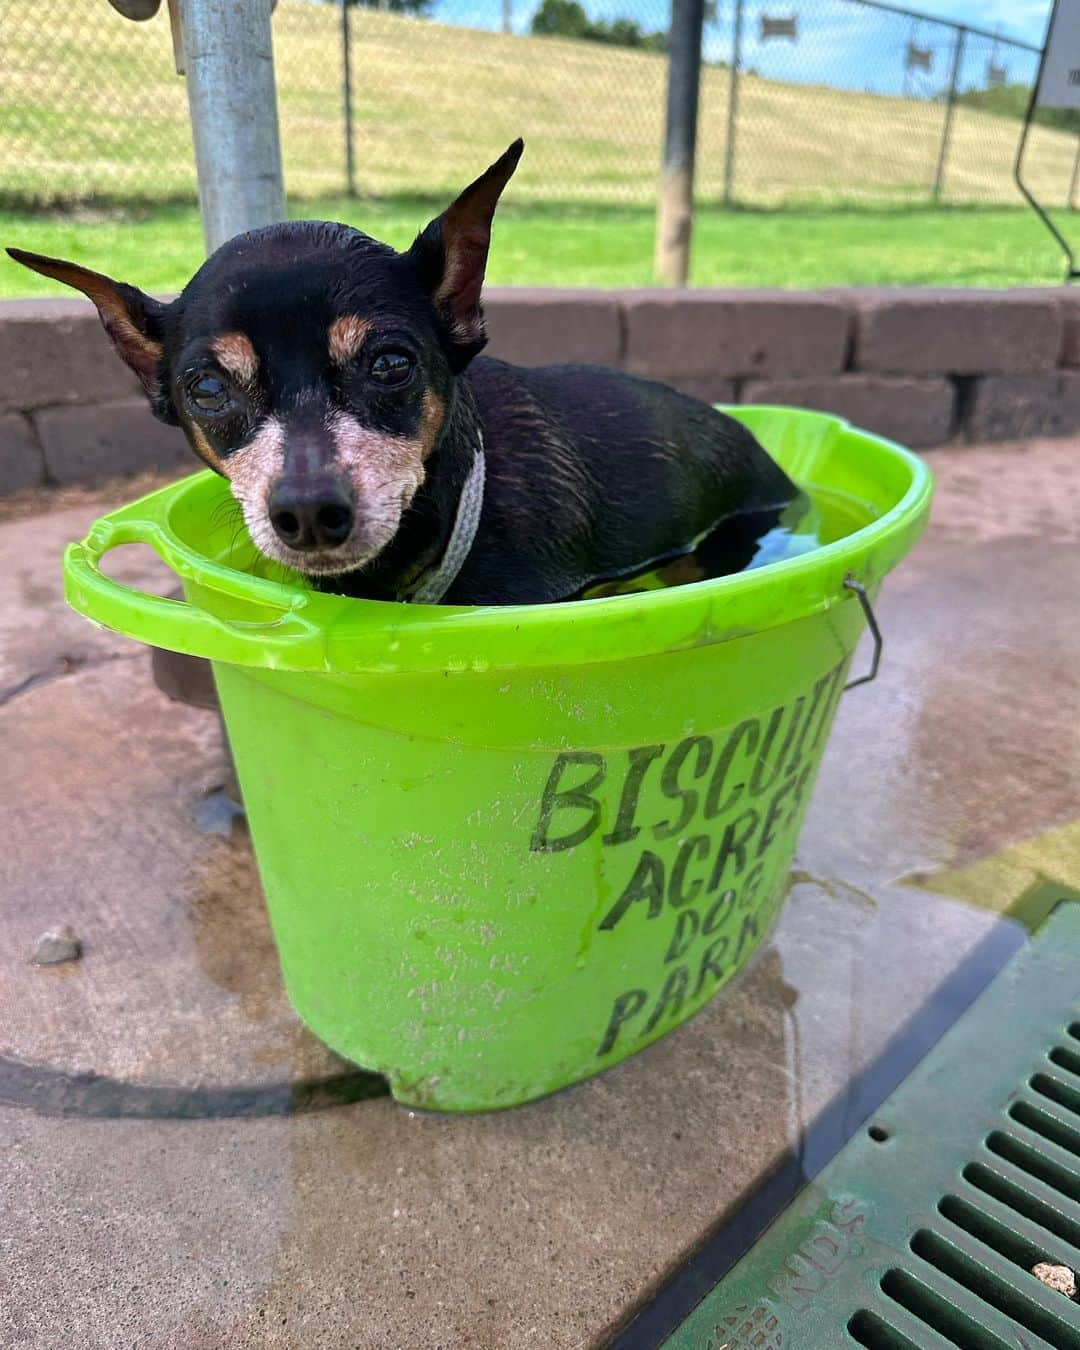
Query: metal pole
507, 16
229, 55
1071, 199
950, 104
733, 105
346, 66
1072, 273
675, 209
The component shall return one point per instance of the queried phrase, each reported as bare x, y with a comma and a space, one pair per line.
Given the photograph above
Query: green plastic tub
505, 848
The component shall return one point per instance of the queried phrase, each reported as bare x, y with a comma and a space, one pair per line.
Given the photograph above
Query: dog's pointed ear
452, 254
133, 320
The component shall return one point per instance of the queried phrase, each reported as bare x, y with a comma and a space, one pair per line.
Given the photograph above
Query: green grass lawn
91, 107
92, 112
543, 245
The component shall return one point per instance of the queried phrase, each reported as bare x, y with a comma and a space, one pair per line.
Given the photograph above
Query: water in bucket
738, 544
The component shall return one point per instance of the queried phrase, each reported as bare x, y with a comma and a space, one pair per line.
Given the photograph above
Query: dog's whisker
223, 520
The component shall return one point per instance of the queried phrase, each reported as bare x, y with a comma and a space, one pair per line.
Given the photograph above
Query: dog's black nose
313, 511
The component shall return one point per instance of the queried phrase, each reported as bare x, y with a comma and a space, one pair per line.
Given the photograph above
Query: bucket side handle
863, 596
277, 622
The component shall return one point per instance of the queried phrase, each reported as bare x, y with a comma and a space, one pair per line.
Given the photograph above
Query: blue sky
839, 43
855, 47
1019, 18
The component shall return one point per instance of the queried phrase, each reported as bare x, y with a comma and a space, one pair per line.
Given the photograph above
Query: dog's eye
389, 368
208, 394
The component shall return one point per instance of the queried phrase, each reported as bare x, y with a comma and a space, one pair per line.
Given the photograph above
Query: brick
22, 464
1014, 407
1070, 312
56, 351
734, 333
111, 438
913, 411
544, 327
932, 332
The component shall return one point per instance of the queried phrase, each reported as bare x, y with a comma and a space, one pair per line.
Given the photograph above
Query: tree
560, 18
567, 18
1011, 100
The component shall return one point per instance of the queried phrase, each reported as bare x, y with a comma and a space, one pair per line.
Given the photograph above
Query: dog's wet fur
337, 385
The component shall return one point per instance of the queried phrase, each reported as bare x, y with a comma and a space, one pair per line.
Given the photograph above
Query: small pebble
1060, 1278
58, 944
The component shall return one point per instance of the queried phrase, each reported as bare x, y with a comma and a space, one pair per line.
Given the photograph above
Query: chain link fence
826, 101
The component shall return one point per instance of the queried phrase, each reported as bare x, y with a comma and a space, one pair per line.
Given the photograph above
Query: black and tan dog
335, 383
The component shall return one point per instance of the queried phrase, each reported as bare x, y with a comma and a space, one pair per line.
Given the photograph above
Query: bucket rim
230, 615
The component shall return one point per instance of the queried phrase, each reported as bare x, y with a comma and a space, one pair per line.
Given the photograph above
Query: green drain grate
922, 1231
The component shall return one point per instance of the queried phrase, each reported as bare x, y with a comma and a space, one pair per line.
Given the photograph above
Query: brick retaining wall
922, 366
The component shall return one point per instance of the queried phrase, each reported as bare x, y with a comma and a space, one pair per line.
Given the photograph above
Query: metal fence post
675, 209
950, 104
228, 50
733, 104
507, 16
346, 94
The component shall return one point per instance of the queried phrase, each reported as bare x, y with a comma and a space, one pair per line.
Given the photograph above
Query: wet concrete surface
949, 790
101, 834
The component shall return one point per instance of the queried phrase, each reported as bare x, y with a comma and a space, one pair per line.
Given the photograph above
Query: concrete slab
368, 1226
177, 985
102, 835
40, 637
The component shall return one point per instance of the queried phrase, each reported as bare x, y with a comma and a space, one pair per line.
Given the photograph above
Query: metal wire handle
871, 623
